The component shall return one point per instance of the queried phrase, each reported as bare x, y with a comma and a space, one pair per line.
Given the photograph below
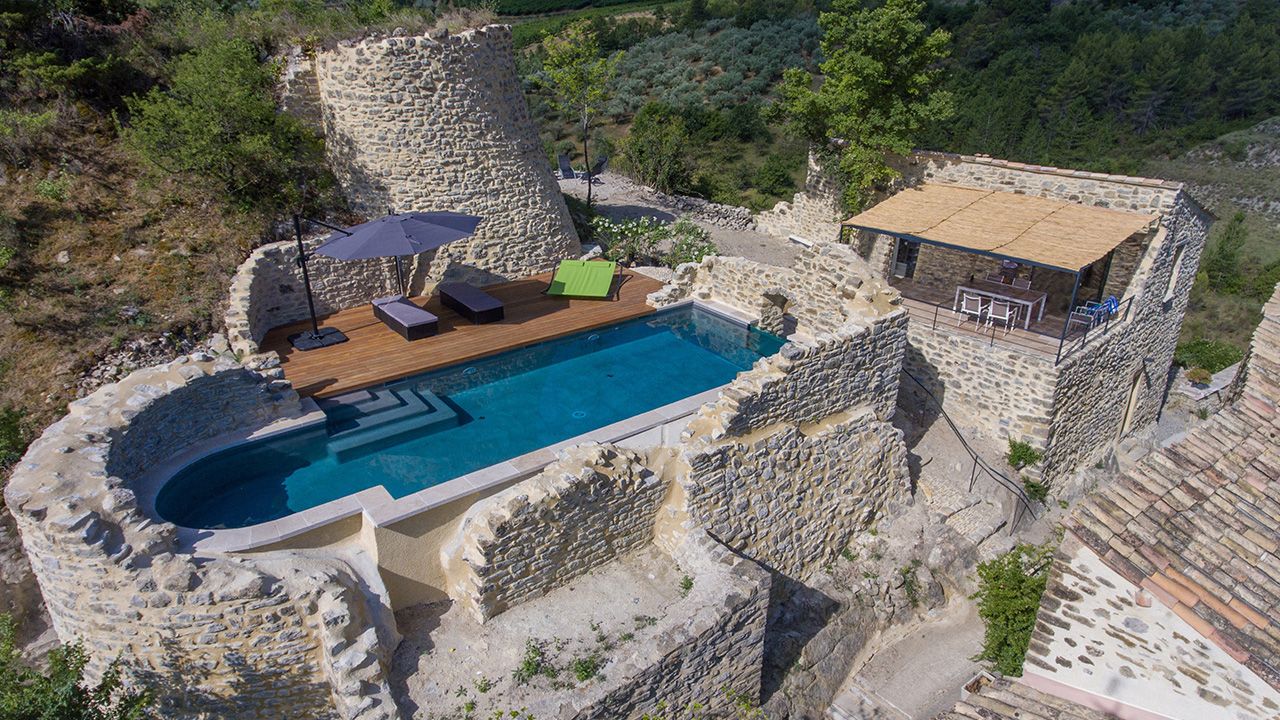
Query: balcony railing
1102, 324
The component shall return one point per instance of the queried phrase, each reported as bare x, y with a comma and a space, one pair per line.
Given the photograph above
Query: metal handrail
1066, 349
1019, 492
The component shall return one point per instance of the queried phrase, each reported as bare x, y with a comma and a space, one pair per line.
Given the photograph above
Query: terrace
374, 354
1019, 271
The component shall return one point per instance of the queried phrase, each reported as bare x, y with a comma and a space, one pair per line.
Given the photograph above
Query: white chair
1002, 311
974, 306
1022, 284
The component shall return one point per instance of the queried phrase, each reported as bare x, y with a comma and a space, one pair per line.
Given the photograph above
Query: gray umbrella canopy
399, 235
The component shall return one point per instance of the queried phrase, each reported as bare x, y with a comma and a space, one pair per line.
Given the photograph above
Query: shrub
686, 585
1009, 590
1199, 376
1022, 455
910, 583
630, 242
218, 119
773, 177
656, 150
13, 437
1036, 490
1211, 355
689, 243
585, 668
533, 663
61, 692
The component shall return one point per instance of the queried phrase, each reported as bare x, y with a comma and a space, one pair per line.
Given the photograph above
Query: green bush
586, 668
1036, 490
630, 242
689, 243
13, 437
61, 692
1212, 355
218, 119
1199, 375
773, 177
1022, 455
656, 151
1009, 590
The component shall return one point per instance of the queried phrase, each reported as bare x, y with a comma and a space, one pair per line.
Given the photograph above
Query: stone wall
592, 506
278, 634
1119, 192
439, 122
813, 213
703, 656
793, 497
1094, 384
998, 390
267, 290
828, 286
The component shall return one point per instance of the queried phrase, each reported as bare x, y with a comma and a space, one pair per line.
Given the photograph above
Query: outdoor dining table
1026, 299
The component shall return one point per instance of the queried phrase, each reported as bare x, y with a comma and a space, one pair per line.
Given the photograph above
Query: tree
657, 149
218, 119
1222, 260
1009, 590
878, 92
61, 693
578, 78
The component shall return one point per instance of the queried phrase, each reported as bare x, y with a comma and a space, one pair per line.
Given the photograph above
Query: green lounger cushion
583, 278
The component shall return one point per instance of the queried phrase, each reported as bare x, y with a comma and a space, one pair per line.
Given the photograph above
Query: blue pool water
427, 429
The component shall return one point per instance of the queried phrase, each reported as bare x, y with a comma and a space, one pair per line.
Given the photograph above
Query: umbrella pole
400, 276
306, 277
316, 338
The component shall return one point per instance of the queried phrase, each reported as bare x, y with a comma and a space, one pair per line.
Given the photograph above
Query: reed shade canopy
1050, 233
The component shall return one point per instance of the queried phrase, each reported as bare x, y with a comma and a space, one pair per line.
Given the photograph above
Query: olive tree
578, 77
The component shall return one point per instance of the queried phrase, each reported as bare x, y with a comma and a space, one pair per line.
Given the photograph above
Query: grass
143, 257
534, 663
529, 30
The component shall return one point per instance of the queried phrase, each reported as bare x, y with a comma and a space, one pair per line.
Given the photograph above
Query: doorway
1136, 386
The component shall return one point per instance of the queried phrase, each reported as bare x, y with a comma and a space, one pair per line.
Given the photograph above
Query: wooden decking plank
374, 354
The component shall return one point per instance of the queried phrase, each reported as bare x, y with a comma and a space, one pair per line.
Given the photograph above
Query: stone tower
439, 122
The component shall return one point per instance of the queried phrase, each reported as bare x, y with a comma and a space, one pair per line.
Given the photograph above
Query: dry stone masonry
281, 634
439, 122
589, 508
813, 213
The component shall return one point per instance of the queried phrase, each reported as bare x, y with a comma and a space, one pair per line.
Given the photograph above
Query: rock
63, 257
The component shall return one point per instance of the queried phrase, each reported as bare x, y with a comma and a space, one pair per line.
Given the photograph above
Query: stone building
1078, 284
440, 122
1162, 597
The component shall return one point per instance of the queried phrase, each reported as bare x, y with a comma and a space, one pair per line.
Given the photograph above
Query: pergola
1035, 231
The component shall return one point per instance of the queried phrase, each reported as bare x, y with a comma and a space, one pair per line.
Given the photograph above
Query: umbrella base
309, 340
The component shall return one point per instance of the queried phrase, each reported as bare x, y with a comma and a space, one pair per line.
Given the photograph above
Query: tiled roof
1198, 523
1004, 699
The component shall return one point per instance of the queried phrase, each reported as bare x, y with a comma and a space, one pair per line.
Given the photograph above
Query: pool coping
376, 503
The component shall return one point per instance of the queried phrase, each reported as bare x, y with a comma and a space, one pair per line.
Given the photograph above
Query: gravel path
619, 199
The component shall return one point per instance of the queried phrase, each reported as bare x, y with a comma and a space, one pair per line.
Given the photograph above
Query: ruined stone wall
439, 122
275, 635
267, 290
716, 650
1119, 192
813, 213
826, 287
1094, 383
595, 504
793, 496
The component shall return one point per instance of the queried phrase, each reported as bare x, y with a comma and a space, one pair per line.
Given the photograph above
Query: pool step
364, 418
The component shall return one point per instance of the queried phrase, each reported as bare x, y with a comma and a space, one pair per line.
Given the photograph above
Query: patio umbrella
399, 235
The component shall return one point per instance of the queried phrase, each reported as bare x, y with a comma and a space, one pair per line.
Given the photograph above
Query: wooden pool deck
374, 354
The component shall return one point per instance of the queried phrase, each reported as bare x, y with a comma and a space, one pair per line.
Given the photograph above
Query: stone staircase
364, 419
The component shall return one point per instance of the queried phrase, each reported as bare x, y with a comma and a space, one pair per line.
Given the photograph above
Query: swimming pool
425, 430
